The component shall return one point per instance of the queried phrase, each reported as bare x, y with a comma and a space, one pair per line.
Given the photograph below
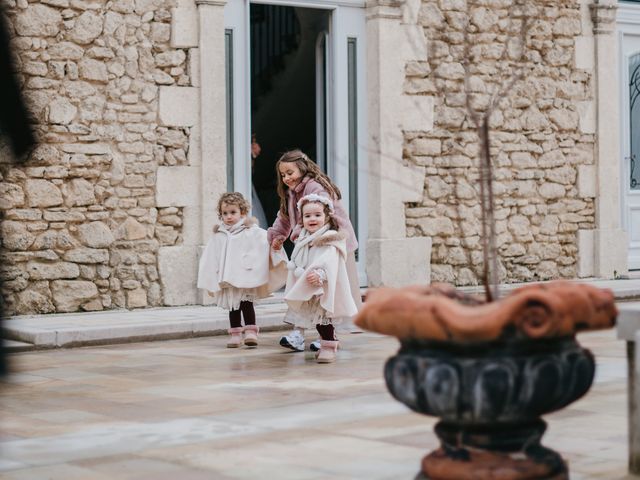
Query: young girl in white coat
318, 291
238, 267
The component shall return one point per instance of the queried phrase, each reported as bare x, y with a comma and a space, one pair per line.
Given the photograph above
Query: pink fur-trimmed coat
283, 227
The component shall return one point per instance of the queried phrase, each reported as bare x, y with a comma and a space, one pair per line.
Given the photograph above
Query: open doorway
288, 48
295, 76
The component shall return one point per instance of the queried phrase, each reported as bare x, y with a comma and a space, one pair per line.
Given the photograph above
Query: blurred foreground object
15, 126
15, 122
489, 370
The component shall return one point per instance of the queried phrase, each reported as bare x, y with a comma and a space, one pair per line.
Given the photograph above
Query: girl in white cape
238, 267
318, 291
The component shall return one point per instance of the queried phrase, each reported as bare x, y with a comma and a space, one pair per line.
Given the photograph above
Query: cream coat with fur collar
327, 253
243, 259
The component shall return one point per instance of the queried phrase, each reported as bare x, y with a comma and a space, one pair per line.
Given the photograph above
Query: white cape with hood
327, 252
240, 256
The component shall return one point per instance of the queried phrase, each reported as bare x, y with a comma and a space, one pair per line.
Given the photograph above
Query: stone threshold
30, 332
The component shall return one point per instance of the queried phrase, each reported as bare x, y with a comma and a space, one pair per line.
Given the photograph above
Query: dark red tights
327, 332
247, 311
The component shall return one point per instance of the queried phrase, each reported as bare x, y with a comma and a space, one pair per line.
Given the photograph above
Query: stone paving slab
193, 409
118, 326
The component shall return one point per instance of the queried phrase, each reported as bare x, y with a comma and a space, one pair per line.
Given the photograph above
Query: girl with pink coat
298, 176
318, 292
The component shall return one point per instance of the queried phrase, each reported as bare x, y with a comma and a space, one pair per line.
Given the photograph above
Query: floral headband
314, 197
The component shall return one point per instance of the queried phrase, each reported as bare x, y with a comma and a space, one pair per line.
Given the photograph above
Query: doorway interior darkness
284, 52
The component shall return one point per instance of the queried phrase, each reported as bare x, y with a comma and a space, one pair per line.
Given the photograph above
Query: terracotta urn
489, 371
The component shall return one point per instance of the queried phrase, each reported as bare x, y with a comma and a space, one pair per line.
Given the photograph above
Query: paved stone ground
192, 409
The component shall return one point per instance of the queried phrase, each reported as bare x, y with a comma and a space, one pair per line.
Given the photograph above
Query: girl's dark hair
308, 169
234, 198
333, 223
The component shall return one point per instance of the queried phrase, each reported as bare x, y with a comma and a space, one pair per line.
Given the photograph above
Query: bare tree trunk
489, 250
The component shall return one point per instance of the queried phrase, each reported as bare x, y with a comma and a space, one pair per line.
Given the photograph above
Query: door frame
347, 21
628, 24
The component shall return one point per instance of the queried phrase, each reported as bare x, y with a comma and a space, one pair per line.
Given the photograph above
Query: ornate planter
489, 371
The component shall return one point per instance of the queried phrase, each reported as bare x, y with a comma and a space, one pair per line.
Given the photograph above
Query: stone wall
543, 143
81, 229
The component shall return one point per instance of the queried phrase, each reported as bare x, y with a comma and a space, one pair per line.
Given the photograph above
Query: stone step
12, 346
98, 328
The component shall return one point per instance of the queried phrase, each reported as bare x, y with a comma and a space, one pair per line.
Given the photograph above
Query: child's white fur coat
327, 253
242, 259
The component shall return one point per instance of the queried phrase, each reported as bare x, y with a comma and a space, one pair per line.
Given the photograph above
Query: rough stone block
62, 111
137, 298
177, 186
34, 300
11, 196
68, 295
86, 148
79, 192
178, 274
95, 235
52, 271
178, 106
87, 27
131, 229
87, 255
15, 236
38, 21
42, 193
398, 262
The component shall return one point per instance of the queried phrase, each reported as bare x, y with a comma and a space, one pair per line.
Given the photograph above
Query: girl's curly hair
234, 198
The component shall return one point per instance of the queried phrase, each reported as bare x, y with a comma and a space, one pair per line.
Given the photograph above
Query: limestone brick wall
82, 230
543, 144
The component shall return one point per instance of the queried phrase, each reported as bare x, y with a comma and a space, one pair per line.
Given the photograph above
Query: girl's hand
276, 244
314, 279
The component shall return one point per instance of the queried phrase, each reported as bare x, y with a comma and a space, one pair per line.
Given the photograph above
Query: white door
630, 129
340, 102
347, 164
